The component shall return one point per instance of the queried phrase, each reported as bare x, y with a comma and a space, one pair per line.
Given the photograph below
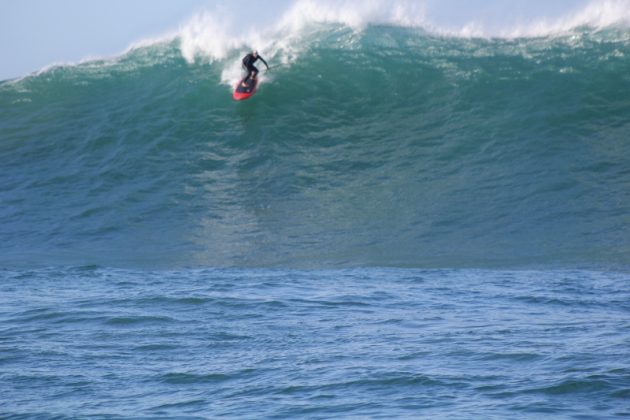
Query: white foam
215, 36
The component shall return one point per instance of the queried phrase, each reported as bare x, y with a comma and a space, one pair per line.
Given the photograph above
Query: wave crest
217, 35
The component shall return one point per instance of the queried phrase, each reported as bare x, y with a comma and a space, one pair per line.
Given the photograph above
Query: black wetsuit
248, 64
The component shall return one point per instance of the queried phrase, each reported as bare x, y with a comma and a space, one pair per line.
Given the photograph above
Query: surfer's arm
263, 60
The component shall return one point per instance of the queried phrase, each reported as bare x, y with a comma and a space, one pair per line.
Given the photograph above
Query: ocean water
400, 223
245, 343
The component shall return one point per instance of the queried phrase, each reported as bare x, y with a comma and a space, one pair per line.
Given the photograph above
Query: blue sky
35, 33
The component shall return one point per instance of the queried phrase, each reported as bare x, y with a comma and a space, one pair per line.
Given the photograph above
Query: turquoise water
399, 150
396, 225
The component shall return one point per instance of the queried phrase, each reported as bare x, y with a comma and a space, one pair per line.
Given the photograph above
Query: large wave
382, 145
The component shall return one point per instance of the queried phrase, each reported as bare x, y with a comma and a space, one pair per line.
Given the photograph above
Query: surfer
248, 64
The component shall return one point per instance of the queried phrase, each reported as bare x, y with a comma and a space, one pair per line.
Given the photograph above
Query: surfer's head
255, 53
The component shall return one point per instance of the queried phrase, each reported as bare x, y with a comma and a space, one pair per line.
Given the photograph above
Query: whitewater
408, 220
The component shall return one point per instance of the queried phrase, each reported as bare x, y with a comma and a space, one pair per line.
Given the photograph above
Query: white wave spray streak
355, 14
598, 14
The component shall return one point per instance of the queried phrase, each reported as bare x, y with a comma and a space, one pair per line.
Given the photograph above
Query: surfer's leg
249, 73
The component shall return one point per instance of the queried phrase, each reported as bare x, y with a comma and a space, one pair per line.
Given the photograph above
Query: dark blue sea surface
397, 224
90, 341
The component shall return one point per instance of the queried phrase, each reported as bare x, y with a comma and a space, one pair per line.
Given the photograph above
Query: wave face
387, 146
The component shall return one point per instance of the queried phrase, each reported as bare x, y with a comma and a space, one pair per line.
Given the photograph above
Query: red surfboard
245, 92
